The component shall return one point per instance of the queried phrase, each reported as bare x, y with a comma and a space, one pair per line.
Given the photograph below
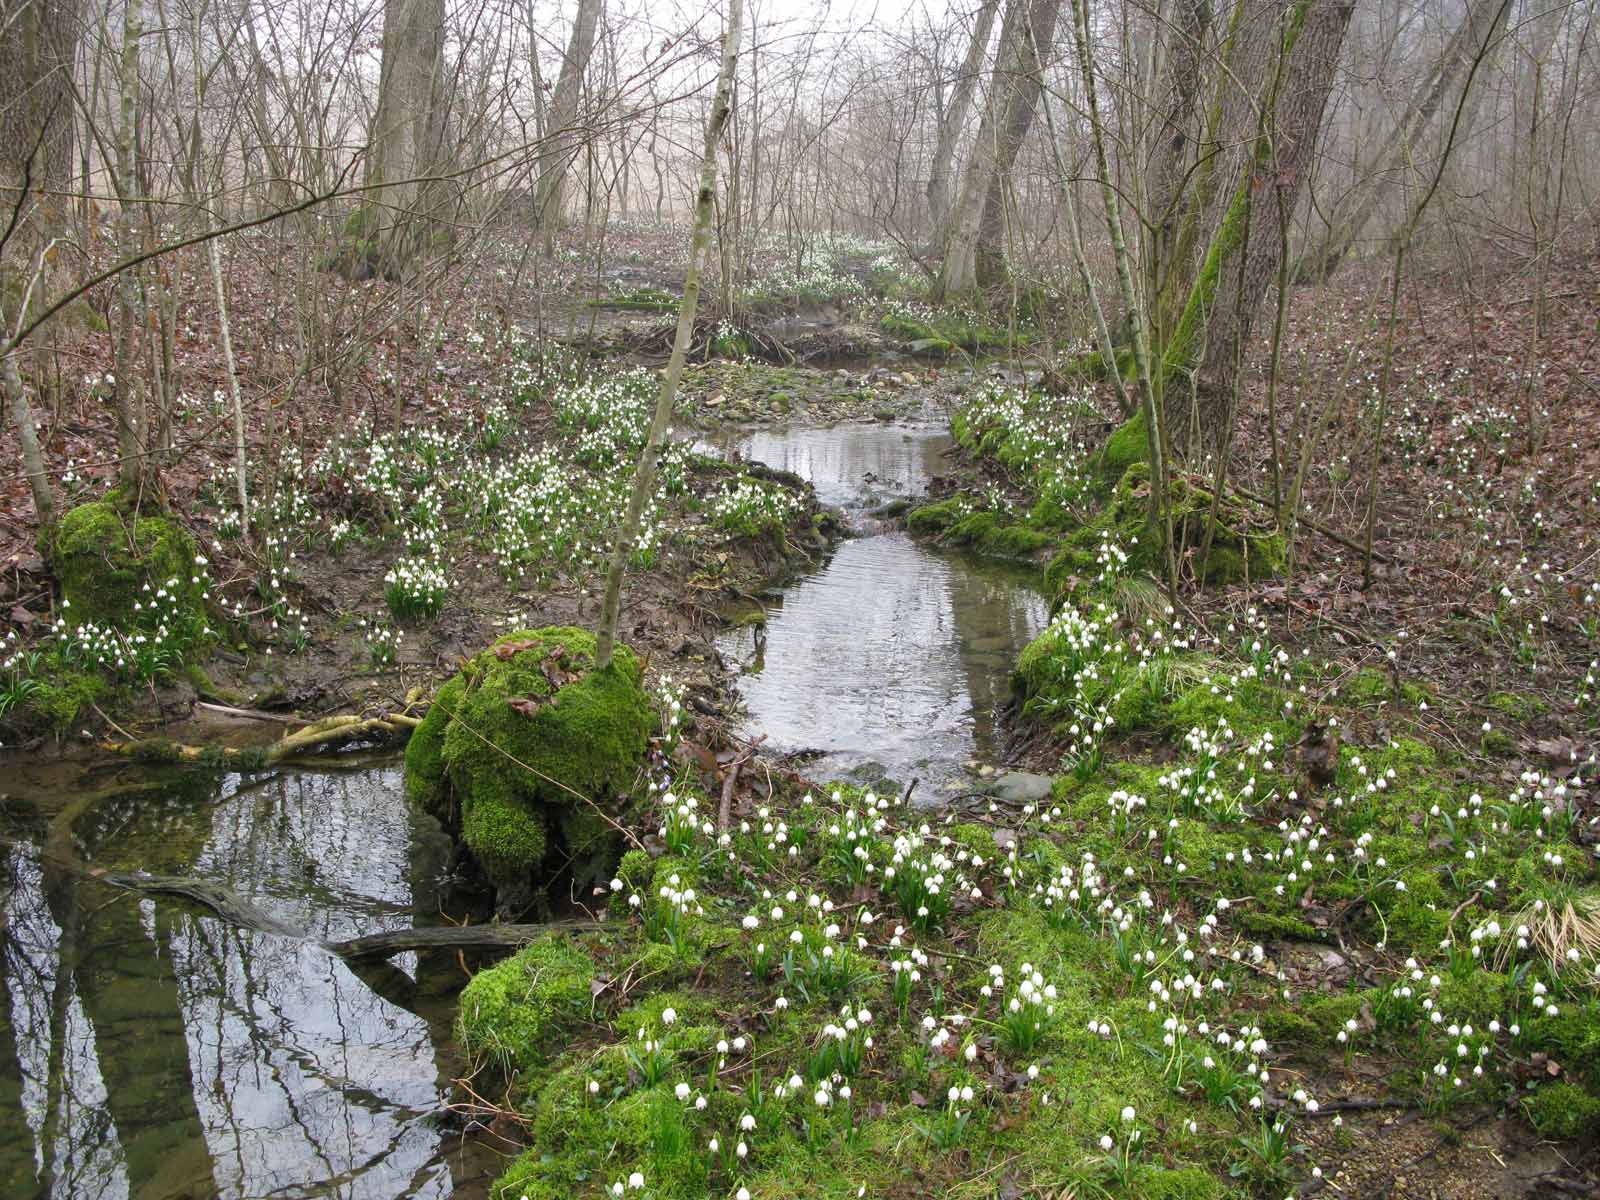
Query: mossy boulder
108, 559
516, 1012
510, 739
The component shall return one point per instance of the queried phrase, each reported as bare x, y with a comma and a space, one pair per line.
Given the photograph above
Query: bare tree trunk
1013, 93
1482, 23
955, 116
131, 432
44, 505
408, 149
1021, 103
1154, 441
1174, 153
561, 135
645, 476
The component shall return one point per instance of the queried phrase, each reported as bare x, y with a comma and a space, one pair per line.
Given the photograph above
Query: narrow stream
892, 659
148, 1052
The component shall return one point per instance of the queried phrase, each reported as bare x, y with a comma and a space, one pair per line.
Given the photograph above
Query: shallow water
892, 655
150, 1052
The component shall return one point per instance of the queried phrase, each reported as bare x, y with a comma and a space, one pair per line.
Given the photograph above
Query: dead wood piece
324, 736
385, 945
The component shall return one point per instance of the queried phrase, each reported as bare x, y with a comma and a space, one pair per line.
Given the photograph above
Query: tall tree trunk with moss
1241, 259
408, 150
1173, 153
561, 133
954, 119
644, 478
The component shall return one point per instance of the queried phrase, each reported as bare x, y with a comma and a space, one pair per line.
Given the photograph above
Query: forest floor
1311, 896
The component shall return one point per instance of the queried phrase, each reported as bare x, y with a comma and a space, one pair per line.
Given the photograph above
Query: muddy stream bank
150, 1050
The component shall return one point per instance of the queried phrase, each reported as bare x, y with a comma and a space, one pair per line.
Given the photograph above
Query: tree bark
1026, 35
561, 134
645, 475
131, 431
1242, 257
408, 152
955, 116
1174, 154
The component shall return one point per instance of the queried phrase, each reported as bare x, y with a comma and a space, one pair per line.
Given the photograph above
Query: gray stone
1021, 787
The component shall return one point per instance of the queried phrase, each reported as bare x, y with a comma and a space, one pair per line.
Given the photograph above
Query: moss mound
1563, 1110
521, 724
1239, 550
106, 557
516, 1011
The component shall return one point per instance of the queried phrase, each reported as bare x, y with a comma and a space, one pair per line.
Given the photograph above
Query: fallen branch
242, 914
730, 781
384, 945
251, 714
329, 734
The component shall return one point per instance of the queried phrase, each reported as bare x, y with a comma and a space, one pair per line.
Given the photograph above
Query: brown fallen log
331, 733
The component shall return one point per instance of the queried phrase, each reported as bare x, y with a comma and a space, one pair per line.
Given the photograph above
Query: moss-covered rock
109, 559
516, 1011
520, 747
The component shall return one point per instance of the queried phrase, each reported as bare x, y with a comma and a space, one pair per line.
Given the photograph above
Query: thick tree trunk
1026, 36
1242, 256
955, 115
408, 152
1173, 155
561, 134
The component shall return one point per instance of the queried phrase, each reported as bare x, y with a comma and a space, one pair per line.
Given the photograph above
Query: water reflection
146, 1052
851, 466
892, 653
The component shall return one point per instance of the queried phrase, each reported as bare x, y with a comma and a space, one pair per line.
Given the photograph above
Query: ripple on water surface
892, 653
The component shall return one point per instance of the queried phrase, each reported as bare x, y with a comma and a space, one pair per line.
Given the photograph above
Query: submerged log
385, 945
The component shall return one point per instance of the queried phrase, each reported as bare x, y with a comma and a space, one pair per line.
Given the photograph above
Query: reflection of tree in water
995, 616
147, 1052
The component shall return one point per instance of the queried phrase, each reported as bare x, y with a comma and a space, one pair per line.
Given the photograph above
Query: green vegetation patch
514, 1013
523, 743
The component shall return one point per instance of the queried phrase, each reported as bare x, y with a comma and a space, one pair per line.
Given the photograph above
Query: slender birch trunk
645, 477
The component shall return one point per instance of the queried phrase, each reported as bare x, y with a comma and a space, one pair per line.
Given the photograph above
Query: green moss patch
509, 741
108, 561
516, 1011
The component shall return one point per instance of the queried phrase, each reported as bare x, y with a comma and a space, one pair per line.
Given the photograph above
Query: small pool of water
893, 655
150, 1052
